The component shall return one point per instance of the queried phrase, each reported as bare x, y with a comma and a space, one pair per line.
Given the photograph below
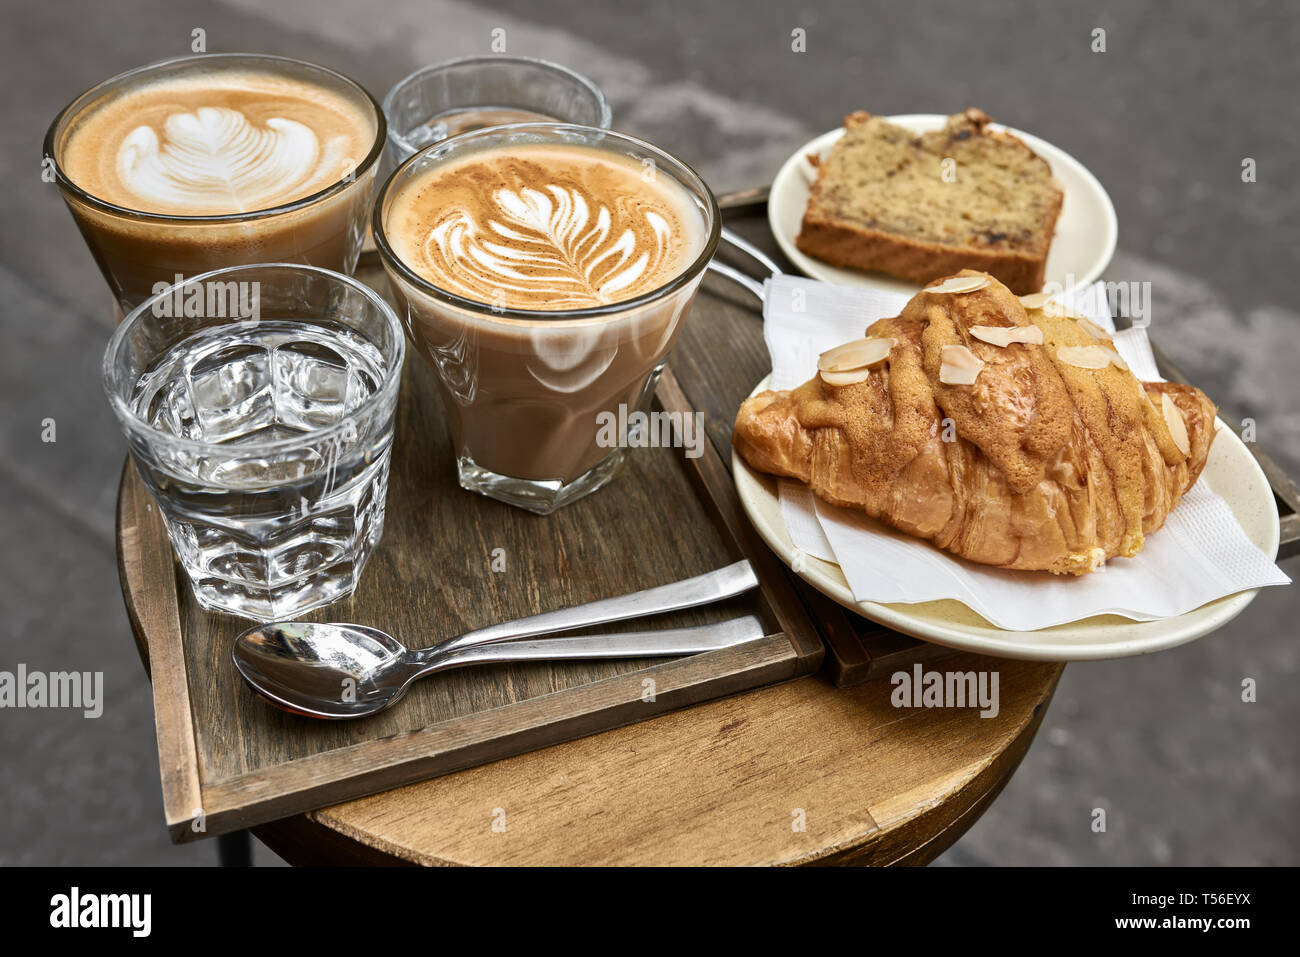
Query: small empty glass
258, 405
457, 96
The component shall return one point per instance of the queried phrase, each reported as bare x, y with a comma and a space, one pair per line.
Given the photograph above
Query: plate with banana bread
899, 201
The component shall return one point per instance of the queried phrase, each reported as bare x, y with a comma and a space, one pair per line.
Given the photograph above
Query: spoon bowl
333, 670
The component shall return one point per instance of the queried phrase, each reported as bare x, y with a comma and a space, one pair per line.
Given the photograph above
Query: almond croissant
1044, 461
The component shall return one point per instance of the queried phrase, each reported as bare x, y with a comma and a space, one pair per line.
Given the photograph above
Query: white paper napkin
1201, 554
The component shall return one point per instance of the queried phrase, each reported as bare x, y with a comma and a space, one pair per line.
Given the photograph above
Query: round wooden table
796, 773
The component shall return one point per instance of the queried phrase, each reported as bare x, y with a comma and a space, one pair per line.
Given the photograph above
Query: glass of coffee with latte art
545, 270
217, 160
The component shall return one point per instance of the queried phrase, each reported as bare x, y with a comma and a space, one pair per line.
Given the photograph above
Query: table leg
235, 849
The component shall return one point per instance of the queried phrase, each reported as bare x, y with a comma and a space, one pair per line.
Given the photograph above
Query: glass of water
258, 405
457, 96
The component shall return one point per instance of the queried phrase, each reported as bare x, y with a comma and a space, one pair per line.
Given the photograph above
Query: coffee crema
216, 143
545, 227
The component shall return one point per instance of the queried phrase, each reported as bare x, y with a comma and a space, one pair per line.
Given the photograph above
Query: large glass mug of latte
544, 270
202, 162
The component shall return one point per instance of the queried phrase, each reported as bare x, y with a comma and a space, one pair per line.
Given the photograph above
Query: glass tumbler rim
390, 98
135, 424
693, 182
90, 199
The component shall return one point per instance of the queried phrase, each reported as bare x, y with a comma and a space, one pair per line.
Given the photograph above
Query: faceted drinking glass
258, 405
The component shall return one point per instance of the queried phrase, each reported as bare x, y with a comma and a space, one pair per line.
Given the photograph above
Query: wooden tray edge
144, 552
711, 473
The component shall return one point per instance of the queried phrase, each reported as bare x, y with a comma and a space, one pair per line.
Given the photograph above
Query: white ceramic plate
1085, 231
1231, 472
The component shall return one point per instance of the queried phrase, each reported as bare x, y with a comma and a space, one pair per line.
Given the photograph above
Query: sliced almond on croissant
1115, 357
1177, 425
1005, 335
959, 284
851, 377
1035, 300
1091, 328
858, 354
959, 366
1083, 357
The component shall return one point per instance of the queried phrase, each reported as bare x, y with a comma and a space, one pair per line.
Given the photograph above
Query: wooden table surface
796, 773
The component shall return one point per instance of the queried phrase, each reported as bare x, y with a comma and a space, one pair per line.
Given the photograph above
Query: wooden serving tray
229, 760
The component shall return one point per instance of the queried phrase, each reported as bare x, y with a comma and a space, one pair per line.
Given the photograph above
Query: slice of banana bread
922, 207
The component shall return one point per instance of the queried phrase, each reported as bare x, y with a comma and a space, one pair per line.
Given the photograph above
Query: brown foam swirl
545, 227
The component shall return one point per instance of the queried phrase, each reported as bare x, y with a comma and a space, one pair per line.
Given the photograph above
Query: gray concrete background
1188, 774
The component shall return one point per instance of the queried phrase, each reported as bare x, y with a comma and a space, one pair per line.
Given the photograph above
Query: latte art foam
217, 159
545, 227
222, 143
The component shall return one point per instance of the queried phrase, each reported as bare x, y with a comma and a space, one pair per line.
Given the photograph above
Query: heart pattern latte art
550, 241
216, 160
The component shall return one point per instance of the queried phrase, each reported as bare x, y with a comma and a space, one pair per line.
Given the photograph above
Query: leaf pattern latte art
552, 246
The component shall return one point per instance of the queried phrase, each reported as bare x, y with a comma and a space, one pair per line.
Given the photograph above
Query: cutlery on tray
339, 671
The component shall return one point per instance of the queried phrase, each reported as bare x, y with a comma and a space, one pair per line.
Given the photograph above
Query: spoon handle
701, 590
642, 644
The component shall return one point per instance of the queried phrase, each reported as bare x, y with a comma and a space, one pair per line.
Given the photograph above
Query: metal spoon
340, 670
